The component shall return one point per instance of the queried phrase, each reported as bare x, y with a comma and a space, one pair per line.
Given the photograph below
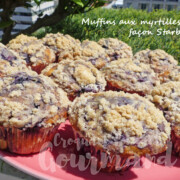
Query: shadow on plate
83, 170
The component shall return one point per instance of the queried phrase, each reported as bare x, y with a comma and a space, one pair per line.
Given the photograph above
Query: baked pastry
32, 50
161, 62
76, 77
119, 125
64, 46
93, 52
115, 48
167, 98
125, 75
31, 110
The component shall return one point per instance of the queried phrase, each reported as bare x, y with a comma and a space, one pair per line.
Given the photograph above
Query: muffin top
125, 75
93, 52
10, 56
28, 100
167, 97
161, 62
10, 62
21, 39
76, 77
32, 50
7, 69
115, 48
120, 122
65, 46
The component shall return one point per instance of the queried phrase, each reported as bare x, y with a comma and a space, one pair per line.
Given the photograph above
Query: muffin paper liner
25, 141
107, 162
110, 87
176, 143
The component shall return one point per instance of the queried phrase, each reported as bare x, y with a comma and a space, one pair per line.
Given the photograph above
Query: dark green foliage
73, 25
62, 10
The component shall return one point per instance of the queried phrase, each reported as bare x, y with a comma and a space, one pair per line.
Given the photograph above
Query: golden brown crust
35, 54
76, 77
117, 121
115, 48
161, 62
29, 100
167, 96
94, 53
65, 46
125, 75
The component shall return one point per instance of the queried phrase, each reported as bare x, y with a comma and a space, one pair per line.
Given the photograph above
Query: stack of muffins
124, 106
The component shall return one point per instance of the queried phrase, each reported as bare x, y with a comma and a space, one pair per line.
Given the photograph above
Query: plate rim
25, 169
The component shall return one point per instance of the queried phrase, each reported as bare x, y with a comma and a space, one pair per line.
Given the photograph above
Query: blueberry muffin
76, 77
167, 98
33, 52
64, 46
118, 125
31, 110
161, 62
115, 48
125, 75
94, 53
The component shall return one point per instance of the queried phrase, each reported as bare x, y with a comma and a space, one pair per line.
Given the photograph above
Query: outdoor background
73, 25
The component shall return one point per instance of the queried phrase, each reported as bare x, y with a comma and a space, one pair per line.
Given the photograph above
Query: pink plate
48, 164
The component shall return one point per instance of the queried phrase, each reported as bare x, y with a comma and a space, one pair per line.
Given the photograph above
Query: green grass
73, 26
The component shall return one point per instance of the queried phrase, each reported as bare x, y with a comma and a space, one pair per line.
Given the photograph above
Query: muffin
64, 46
167, 98
31, 110
125, 75
94, 53
115, 48
33, 52
120, 125
76, 77
161, 62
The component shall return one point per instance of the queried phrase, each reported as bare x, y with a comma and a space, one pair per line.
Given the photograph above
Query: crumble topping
126, 75
167, 97
28, 100
115, 48
109, 118
161, 62
76, 77
32, 50
65, 46
94, 53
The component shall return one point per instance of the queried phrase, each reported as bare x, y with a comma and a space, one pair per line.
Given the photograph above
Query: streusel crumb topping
167, 97
76, 76
115, 48
125, 74
32, 50
116, 120
28, 100
161, 62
